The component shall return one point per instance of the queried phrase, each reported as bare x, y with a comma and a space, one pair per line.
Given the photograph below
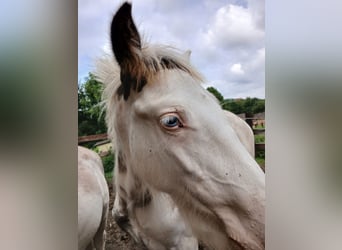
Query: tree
248, 106
216, 93
90, 114
259, 107
233, 105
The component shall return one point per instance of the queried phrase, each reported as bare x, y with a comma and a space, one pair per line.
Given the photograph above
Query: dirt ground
117, 239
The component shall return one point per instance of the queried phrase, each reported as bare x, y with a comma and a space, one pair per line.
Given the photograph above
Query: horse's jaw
220, 222
224, 212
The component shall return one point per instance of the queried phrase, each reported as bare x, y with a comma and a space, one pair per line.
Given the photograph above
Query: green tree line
238, 106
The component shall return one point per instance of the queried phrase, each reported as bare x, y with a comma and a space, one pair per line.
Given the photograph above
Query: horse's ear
125, 38
126, 46
187, 55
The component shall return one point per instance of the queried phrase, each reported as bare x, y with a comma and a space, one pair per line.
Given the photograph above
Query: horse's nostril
123, 222
121, 219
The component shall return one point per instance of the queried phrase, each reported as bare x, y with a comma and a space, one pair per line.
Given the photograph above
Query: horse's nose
122, 221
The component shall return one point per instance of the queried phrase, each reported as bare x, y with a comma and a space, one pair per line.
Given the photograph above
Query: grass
259, 126
109, 176
108, 165
260, 160
259, 138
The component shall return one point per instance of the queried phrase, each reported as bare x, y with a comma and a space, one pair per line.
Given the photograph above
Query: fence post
249, 119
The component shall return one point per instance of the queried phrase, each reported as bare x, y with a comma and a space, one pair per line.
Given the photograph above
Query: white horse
157, 224
174, 138
93, 201
148, 215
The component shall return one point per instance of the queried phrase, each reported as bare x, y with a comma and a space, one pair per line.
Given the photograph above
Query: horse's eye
170, 122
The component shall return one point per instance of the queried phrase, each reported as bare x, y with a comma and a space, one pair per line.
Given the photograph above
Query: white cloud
233, 25
257, 63
246, 78
237, 69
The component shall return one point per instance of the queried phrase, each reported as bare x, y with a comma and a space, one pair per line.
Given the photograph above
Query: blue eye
171, 121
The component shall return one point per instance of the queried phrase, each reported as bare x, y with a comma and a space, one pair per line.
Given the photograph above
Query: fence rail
259, 147
258, 131
91, 138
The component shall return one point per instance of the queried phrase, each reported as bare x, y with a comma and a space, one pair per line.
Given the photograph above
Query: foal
93, 201
155, 223
148, 215
172, 137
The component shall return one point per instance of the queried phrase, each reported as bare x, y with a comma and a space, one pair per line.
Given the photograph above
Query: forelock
148, 63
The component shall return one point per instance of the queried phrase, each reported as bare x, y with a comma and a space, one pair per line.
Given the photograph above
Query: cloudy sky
226, 37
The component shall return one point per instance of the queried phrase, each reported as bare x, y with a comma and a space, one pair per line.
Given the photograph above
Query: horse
150, 217
93, 201
173, 138
143, 222
172, 233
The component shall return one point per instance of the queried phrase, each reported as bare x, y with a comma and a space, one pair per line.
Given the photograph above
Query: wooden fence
92, 138
259, 147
